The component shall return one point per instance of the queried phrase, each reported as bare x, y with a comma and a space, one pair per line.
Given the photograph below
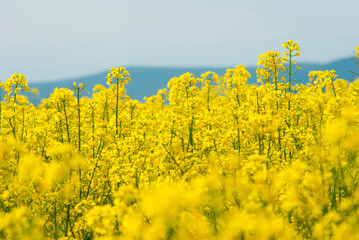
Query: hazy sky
57, 39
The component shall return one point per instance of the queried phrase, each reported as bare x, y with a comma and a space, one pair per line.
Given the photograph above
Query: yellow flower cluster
357, 52
209, 157
272, 64
119, 74
291, 47
14, 85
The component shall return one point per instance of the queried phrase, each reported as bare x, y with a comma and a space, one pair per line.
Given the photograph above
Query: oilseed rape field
209, 157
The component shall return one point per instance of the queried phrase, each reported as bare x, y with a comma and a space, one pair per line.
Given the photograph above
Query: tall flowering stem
14, 85
79, 89
270, 65
121, 77
293, 50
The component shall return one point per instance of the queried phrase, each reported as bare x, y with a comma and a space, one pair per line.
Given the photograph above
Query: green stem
0, 113
257, 103
238, 141
14, 120
269, 149
290, 71
117, 106
275, 80
259, 144
67, 219
93, 131
66, 121
79, 118
209, 86
91, 179
279, 139
190, 135
275, 74
78, 94
105, 111
79, 133
290, 76
23, 124
60, 122
55, 222
335, 95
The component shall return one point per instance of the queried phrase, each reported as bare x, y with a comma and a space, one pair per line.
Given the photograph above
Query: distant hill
147, 80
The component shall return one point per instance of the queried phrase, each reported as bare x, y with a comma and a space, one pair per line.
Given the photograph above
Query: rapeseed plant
209, 157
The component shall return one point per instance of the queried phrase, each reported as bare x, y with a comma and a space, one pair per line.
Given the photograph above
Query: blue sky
55, 39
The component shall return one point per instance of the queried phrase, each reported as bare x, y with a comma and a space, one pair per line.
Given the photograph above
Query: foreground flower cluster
210, 157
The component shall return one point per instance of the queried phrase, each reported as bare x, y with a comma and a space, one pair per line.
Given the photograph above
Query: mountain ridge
147, 80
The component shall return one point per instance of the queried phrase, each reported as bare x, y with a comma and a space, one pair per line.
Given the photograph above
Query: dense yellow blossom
208, 157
